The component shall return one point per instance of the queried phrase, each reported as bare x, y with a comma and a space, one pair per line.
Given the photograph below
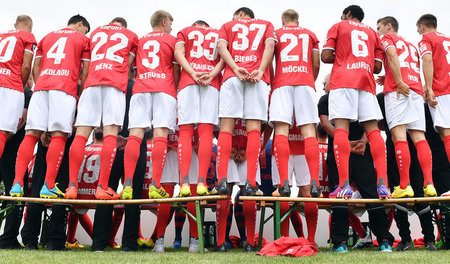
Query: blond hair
159, 16
290, 15
23, 19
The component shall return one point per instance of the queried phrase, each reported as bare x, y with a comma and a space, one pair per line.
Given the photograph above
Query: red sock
222, 210
284, 226
378, 151
425, 160
131, 156
185, 151
297, 223
281, 151
117, 220
390, 216
24, 156
342, 153
447, 146
329, 225
140, 231
3, 138
163, 212
76, 156
223, 154
311, 214
107, 156
191, 209
312, 156
72, 223
403, 161
205, 134
159, 154
249, 209
55, 154
253, 150
355, 223
86, 223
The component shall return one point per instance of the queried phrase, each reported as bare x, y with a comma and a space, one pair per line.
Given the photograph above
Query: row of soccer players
244, 93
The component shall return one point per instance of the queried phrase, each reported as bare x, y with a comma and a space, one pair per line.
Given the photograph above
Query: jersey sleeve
315, 41
270, 33
223, 33
424, 46
386, 42
331, 38
134, 45
86, 53
181, 37
30, 43
39, 49
378, 50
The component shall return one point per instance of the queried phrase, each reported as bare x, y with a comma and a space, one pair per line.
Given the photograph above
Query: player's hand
45, 139
241, 156
206, 79
360, 148
255, 76
241, 73
380, 80
233, 153
121, 142
430, 98
402, 88
197, 75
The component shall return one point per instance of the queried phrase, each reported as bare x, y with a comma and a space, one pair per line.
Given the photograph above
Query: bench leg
261, 225
277, 222
198, 211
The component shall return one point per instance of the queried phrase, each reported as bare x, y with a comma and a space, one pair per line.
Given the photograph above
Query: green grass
181, 256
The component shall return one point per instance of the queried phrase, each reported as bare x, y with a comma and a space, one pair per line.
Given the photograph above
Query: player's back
239, 139
296, 141
89, 172
293, 56
154, 62
110, 47
438, 45
356, 47
13, 44
409, 63
61, 52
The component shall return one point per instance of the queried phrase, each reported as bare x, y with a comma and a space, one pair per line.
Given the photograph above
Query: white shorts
198, 104
283, 109
441, 114
153, 110
297, 167
353, 104
50, 111
11, 109
237, 172
171, 172
405, 110
244, 100
101, 105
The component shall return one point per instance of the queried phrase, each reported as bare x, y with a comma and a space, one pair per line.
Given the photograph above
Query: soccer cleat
342, 192
383, 192
284, 191
341, 248
213, 190
159, 245
141, 242
405, 246
71, 192
115, 246
315, 189
185, 190
252, 191
177, 244
250, 248
127, 193
16, 190
150, 243
73, 245
194, 246
385, 246
429, 191
53, 193
202, 190
430, 246
221, 248
109, 194
157, 193
364, 242
401, 193
222, 188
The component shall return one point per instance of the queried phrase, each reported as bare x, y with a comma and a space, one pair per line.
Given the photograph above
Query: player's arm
84, 73
327, 56
130, 61
180, 57
37, 68
315, 63
176, 74
378, 66
326, 124
428, 71
225, 54
208, 77
267, 58
394, 65
26, 66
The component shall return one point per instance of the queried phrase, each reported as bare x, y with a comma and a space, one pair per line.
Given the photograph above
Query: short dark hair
77, 18
200, 22
246, 11
428, 20
356, 12
120, 20
389, 20
98, 134
321, 131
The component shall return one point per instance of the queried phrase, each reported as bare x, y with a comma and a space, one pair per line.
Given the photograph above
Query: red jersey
246, 40
409, 63
154, 64
201, 52
111, 46
239, 140
439, 46
323, 171
293, 56
356, 47
89, 172
172, 140
148, 171
13, 44
296, 141
61, 52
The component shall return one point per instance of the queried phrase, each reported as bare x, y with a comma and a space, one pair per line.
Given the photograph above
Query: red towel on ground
289, 246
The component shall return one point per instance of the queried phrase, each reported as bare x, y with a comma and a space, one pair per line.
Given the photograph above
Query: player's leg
223, 152
132, 152
72, 224
312, 156
116, 221
403, 157
163, 217
179, 219
425, 160
222, 211
281, 154
185, 157
11, 107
